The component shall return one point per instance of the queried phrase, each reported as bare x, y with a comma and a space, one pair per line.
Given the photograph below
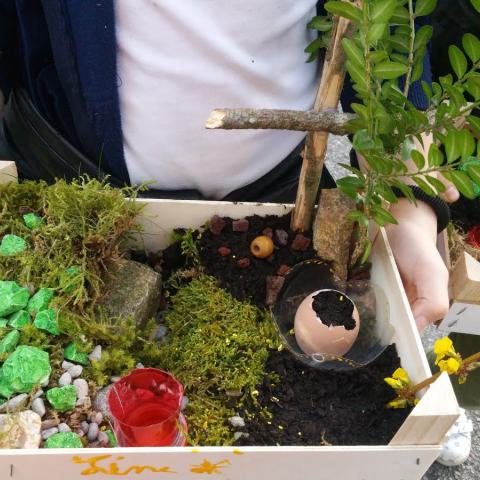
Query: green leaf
362, 141
473, 88
437, 89
354, 54
418, 159
424, 186
405, 189
401, 43
351, 182
367, 251
456, 95
462, 182
322, 24
436, 183
359, 217
457, 60
357, 74
417, 70
390, 70
343, 9
400, 15
467, 143
317, 44
474, 123
383, 11
382, 216
427, 90
378, 56
471, 45
423, 36
425, 7
384, 189
476, 5
474, 173
435, 156
452, 145
376, 32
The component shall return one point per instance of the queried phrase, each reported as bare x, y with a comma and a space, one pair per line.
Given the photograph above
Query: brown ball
262, 246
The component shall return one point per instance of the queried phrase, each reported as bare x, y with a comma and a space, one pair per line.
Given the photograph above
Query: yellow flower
399, 379
451, 366
444, 348
398, 403
395, 384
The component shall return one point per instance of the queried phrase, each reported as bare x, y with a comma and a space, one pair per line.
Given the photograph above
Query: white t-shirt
180, 59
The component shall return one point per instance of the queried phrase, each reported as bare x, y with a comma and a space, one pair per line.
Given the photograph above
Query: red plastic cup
473, 236
145, 407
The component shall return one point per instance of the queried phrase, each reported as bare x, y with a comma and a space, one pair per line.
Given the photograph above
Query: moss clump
217, 346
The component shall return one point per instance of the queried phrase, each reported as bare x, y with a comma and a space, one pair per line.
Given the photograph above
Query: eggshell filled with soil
328, 322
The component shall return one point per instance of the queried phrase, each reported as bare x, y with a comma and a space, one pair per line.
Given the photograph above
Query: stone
237, 422
67, 365
62, 399
274, 284
65, 379
283, 270
75, 371
92, 432
38, 394
100, 403
50, 423
224, 251
73, 354
47, 320
40, 301
12, 298
9, 342
32, 221
64, 440
20, 430
79, 432
24, 369
15, 403
216, 225
63, 428
243, 262
112, 438
184, 403
139, 365
84, 402
96, 417
38, 406
46, 434
241, 225
131, 290
268, 232
281, 237
84, 427
160, 333
19, 319
81, 387
12, 245
301, 243
103, 439
96, 354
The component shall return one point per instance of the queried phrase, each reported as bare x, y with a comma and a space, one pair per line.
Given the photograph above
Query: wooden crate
409, 455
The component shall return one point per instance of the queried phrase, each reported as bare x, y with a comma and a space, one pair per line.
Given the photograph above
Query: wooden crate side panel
465, 280
8, 172
324, 463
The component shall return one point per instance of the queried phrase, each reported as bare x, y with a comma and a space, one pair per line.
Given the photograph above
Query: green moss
216, 345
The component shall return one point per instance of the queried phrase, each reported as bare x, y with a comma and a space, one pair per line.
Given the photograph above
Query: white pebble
14, 403
84, 426
237, 422
64, 428
103, 439
82, 387
96, 354
38, 406
184, 403
49, 432
67, 365
80, 432
115, 379
96, 417
38, 394
92, 432
75, 371
238, 435
65, 379
140, 365
84, 402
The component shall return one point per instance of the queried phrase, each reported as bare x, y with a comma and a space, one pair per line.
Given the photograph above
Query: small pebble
65, 379
268, 232
49, 432
95, 444
96, 417
283, 270
96, 354
84, 402
243, 262
14, 403
301, 243
140, 365
92, 432
63, 428
281, 237
241, 225
67, 365
237, 422
82, 387
274, 284
216, 225
75, 371
38, 394
50, 423
38, 406
161, 333
103, 439
115, 379
45, 383
184, 403
80, 432
238, 435
84, 427
224, 251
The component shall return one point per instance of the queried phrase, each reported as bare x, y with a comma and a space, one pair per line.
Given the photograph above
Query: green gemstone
112, 438
9, 342
47, 320
12, 298
471, 161
62, 399
3, 322
12, 245
64, 440
40, 301
73, 354
32, 221
19, 319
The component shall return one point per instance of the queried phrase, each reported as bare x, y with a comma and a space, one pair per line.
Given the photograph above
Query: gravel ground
338, 153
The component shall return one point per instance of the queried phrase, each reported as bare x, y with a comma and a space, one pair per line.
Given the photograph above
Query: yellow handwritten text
209, 468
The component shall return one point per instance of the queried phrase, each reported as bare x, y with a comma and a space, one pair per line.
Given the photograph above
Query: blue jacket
63, 52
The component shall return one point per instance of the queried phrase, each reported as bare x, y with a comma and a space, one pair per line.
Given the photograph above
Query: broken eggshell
314, 336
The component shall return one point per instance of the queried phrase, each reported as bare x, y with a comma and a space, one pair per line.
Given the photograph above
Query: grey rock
82, 387
160, 333
131, 290
49, 432
75, 371
20, 430
65, 379
84, 402
103, 439
115, 379
45, 383
84, 427
96, 354
38, 406
100, 403
96, 417
92, 433
94, 444
38, 394
184, 403
140, 365
15, 403
237, 422
238, 435
50, 423
64, 428
80, 432
67, 365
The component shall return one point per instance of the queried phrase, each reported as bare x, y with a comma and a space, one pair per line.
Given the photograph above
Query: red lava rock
283, 270
301, 243
216, 225
274, 285
224, 251
243, 262
241, 225
281, 237
268, 232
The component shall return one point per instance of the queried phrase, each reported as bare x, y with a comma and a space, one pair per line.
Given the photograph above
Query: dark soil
334, 309
315, 407
246, 280
465, 213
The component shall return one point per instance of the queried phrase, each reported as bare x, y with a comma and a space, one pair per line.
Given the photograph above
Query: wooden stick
271, 119
328, 96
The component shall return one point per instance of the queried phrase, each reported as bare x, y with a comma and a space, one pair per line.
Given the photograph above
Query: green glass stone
19, 319
40, 301
5, 390
62, 399
47, 320
471, 161
24, 369
3, 322
64, 440
12, 298
32, 221
9, 342
112, 438
12, 245
73, 354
